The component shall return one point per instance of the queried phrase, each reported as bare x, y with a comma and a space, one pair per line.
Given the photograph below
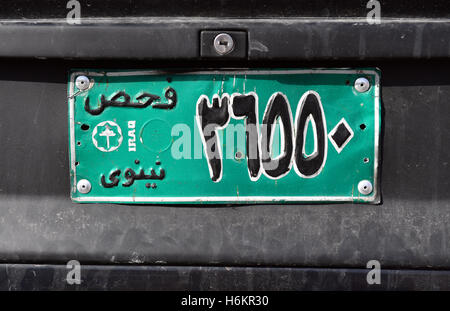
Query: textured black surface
39, 223
19, 9
268, 39
180, 278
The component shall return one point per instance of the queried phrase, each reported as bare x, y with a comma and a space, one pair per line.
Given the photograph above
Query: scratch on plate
245, 80
221, 88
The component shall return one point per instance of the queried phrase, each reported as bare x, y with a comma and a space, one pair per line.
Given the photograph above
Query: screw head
84, 186
223, 43
362, 85
365, 187
82, 83
238, 155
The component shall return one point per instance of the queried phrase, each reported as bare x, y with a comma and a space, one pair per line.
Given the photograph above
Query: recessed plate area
224, 137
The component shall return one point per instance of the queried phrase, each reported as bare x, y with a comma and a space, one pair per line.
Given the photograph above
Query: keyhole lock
223, 44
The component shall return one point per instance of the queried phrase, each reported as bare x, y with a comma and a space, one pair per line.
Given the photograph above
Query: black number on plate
210, 118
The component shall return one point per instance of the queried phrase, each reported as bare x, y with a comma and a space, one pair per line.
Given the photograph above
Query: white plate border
224, 199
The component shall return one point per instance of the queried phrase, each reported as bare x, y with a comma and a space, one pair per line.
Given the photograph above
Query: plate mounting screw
82, 83
238, 155
365, 187
362, 85
223, 43
84, 186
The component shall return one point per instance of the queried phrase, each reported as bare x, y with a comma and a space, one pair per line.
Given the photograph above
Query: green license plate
230, 136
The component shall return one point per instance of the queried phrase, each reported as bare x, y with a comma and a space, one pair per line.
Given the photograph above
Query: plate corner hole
85, 127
